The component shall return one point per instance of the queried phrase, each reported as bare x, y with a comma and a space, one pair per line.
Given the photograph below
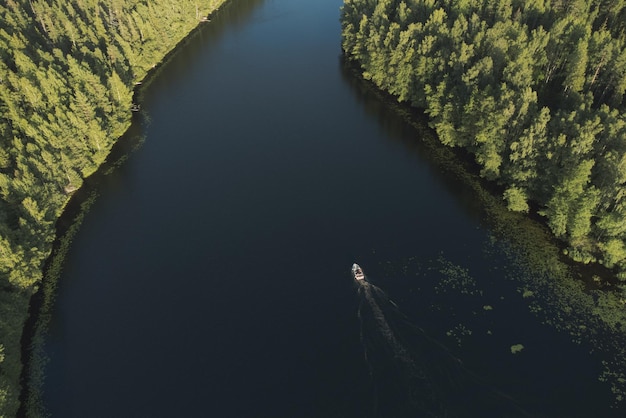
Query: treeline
67, 71
533, 89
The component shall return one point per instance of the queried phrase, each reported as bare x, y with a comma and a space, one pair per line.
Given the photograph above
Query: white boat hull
357, 272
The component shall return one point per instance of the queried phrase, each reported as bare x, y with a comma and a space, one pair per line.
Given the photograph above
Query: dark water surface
211, 277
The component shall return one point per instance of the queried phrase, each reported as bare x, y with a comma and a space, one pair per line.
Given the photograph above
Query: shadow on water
414, 375
409, 128
231, 16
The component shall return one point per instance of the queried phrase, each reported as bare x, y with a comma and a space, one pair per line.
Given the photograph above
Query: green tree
534, 90
516, 199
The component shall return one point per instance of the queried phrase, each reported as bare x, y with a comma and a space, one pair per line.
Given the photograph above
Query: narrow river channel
212, 275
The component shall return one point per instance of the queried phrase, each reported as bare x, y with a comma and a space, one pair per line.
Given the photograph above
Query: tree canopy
535, 90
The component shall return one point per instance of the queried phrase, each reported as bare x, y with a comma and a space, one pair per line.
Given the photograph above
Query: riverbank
584, 301
543, 141
21, 308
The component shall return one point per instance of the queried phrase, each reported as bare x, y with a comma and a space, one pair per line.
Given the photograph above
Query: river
212, 275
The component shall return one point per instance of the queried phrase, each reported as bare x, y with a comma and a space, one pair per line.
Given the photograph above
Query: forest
67, 74
533, 90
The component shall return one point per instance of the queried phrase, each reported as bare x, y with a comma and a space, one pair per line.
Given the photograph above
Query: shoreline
562, 286
466, 163
68, 224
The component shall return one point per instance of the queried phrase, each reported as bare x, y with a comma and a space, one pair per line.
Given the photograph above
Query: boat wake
412, 374
401, 386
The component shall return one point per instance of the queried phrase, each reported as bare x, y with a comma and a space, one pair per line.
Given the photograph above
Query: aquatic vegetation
458, 333
516, 348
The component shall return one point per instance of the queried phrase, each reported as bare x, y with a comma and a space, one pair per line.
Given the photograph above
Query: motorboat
357, 272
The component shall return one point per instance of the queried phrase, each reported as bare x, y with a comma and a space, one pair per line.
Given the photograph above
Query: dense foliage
533, 89
67, 69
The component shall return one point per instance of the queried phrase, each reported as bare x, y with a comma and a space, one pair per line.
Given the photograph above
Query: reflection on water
414, 375
408, 127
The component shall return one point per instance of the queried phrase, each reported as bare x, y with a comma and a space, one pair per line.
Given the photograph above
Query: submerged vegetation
533, 90
414, 44
67, 72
